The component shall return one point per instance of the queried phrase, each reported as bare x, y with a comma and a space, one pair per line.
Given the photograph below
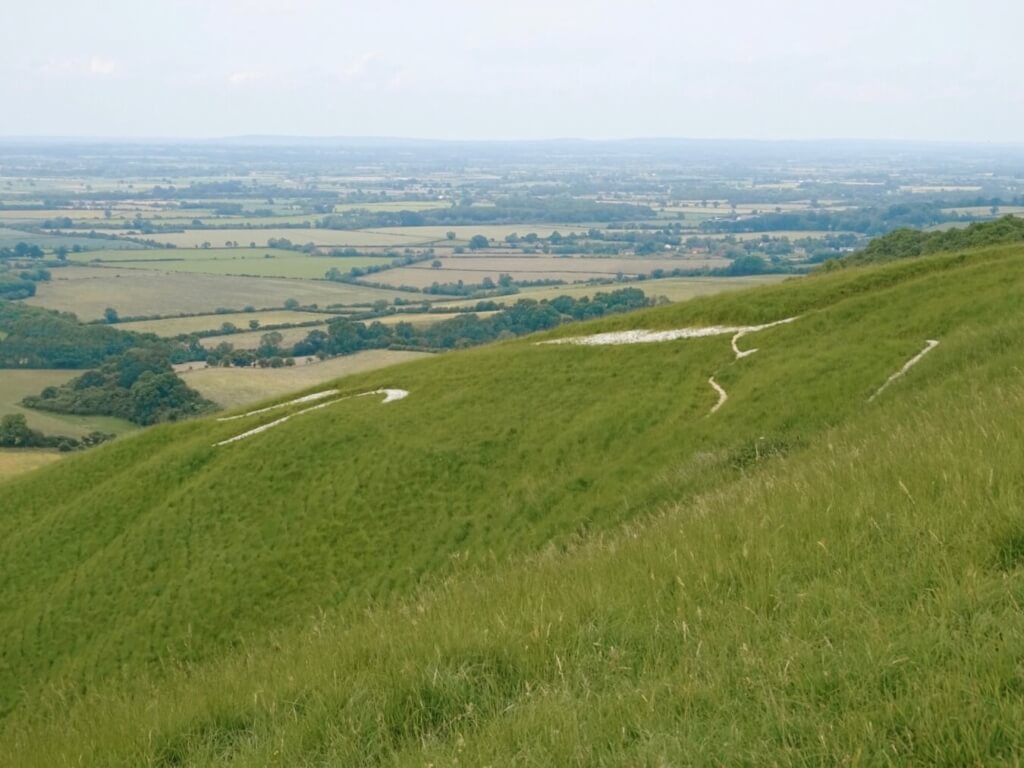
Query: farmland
136, 292
173, 326
252, 339
473, 270
672, 288
195, 238
234, 387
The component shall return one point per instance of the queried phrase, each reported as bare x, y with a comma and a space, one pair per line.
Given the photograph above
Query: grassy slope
860, 594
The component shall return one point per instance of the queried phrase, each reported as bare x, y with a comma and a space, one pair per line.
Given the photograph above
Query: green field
293, 265
87, 291
235, 387
174, 326
16, 385
559, 554
11, 237
116, 257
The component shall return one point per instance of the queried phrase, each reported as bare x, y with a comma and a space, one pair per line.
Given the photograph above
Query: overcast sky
893, 69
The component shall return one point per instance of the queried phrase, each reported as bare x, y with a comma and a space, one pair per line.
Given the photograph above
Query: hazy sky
903, 69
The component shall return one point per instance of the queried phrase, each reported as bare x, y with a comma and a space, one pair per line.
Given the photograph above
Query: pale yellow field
251, 339
234, 387
174, 326
14, 462
672, 288
473, 269
493, 231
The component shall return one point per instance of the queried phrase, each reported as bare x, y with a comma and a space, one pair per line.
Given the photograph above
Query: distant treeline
507, 210
16, 433
907, 243
344, 337
867, 221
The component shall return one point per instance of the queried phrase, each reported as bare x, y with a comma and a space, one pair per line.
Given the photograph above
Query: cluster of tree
139, 386
21, 251
16, 433
344, 336
41, 338
907, 243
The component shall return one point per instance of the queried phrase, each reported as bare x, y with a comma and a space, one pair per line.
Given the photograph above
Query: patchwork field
233, 387
324, 237
174, 326
473, 269
88, 291
293, 265
672, 288
16, 385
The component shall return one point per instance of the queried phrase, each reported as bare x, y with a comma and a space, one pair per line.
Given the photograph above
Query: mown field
235, 387
293, 265
87, 291
560, 553
251, 339
472, 270
16, 385
174, 326
672, 288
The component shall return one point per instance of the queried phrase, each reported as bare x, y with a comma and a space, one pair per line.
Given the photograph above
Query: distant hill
664, 553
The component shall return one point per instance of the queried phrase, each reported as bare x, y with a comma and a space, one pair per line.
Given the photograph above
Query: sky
943, 70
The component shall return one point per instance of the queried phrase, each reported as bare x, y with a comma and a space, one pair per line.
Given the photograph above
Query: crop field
17, 461
139, 292
429, 234
248, 263
393, 205
251, 339
472, 270
174, 326
194, 238
233, 387
16, 385
11, 237
127, 255
672, 288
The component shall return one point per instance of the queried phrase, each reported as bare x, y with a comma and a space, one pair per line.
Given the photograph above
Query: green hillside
558, 554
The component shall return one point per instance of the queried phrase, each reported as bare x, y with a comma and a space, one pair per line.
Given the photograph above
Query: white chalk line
390, 396
296, 401
722, 396
930, 344
614, 338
